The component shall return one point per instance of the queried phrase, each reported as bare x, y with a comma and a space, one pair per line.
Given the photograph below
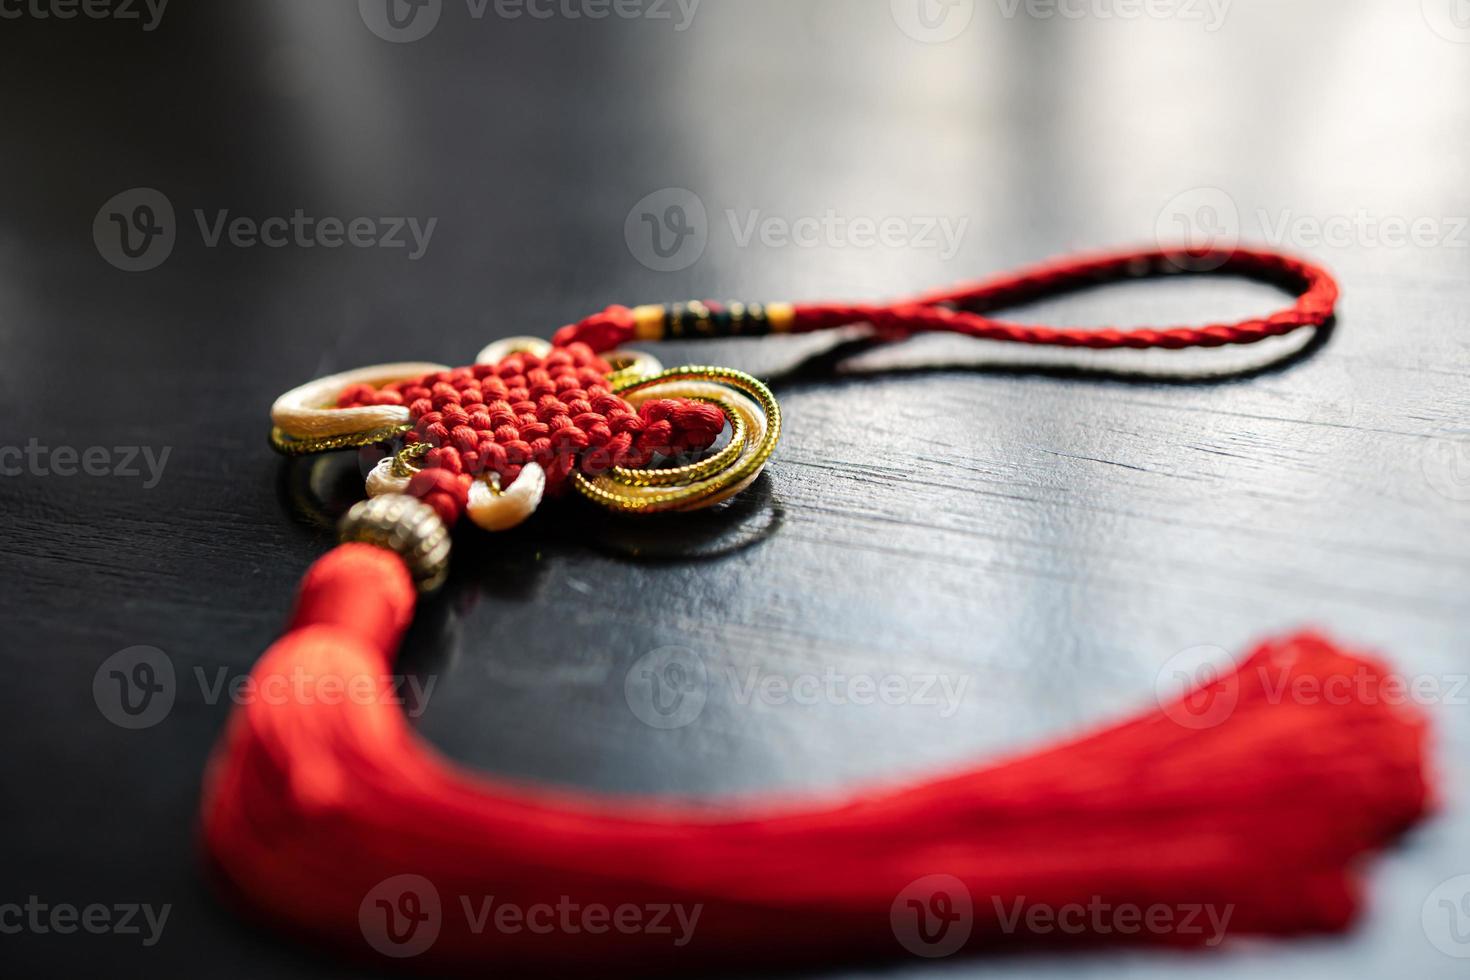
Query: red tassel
316, 805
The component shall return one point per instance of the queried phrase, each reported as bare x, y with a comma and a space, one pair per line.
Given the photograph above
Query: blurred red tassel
314, 810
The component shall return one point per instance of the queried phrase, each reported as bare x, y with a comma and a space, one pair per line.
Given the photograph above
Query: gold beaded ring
680, 475
747, 396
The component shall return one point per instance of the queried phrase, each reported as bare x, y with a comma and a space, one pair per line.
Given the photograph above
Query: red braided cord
961, 309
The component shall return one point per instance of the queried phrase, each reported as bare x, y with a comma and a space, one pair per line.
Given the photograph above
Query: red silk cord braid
560, 412
961, 309
314, 805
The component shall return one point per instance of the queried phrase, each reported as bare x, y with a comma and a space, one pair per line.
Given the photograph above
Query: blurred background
204, 205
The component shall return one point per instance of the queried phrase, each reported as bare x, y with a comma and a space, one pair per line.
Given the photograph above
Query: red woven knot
558, 411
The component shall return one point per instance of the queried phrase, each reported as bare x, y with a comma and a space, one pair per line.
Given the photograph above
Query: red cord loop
963, 309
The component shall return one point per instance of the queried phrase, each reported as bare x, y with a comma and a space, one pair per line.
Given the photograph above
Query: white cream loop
501, 511
306, 412
501, 349
384, 480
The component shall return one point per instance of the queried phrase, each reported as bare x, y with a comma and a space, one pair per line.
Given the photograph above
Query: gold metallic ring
405, 464
748, 396
630, 365
680, 475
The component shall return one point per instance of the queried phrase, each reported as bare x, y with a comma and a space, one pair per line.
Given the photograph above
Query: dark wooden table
1047, 531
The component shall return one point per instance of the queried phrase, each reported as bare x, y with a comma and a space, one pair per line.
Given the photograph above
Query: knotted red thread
558, 411
313, 804
961, 309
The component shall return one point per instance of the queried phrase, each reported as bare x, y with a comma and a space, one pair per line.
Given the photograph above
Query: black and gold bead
696, 320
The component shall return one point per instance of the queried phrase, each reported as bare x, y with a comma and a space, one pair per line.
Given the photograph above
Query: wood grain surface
1042, 535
